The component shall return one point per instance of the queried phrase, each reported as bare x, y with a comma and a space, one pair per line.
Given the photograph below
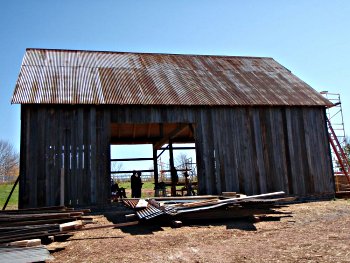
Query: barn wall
72, 139
252, 149
249, 149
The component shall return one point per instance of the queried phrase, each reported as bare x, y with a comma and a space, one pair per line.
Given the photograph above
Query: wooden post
62, 187
172, 169
155, 173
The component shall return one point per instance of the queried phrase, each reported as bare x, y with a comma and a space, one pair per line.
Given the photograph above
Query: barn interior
163, 137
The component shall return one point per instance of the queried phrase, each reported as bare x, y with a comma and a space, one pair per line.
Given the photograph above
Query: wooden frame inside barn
257, 128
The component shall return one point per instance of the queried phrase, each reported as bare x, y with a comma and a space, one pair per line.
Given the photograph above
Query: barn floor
315, 232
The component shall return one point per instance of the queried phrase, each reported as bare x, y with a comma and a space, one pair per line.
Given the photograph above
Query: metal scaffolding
338, 141
335, 117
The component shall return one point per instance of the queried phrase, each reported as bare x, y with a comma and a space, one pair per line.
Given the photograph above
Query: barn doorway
164, 154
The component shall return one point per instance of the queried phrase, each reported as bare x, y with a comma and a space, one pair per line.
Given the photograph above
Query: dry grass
316, 232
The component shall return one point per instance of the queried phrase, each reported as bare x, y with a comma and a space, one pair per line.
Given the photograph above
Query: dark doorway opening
164, 154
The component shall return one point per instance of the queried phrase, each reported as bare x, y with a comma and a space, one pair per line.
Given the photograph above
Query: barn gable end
257, 127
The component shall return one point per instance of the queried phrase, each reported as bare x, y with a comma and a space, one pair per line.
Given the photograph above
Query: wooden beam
133, 223
155, 167
161, 130
179, 170
130, 171
171, 135
131, 159
191, 128
166, 148
133, 131
146, 140
149, 130
138, 140
178, 148
173, 171
118, 129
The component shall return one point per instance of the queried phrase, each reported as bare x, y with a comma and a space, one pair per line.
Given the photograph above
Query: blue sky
311, 38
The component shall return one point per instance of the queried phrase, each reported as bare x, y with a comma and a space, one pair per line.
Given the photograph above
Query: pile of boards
207, 207
21, 231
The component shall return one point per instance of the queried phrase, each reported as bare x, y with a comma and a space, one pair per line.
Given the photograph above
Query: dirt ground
314, 232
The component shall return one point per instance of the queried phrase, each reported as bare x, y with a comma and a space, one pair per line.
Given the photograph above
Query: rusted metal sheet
130, 202
91, 77
176, 207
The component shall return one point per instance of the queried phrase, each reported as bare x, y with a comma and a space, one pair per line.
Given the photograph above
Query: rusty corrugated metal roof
93, 77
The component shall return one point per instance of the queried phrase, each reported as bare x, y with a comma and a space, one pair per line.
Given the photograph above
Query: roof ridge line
145, 53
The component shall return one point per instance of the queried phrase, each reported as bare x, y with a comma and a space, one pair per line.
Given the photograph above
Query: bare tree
9, 161
181, 161
117, 166
346, 148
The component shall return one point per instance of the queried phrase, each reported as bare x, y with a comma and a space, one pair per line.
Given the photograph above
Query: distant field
5, 189
145, 186
146, 191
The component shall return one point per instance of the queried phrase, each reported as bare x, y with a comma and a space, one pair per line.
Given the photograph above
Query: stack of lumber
22, 231
38, 222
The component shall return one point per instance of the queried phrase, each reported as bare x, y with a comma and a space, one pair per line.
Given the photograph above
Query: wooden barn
257, 128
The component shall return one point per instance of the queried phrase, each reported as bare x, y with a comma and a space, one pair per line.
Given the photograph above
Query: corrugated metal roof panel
92, 77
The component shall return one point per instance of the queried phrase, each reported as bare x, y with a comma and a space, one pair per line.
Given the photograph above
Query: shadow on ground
150, 226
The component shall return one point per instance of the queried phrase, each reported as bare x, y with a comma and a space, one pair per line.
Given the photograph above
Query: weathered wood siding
75, 139
244, 149
251, 149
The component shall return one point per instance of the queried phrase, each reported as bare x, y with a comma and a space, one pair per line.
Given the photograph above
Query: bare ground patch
315, 232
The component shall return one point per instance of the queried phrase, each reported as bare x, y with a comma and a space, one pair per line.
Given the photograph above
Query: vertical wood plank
80, 134
23, 201
261, 172
92, 157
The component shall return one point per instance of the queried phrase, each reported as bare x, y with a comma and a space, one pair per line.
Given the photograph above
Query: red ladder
339, 152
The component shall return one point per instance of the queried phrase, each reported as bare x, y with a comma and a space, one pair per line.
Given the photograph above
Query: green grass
5, 190
147, 190
145, 186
